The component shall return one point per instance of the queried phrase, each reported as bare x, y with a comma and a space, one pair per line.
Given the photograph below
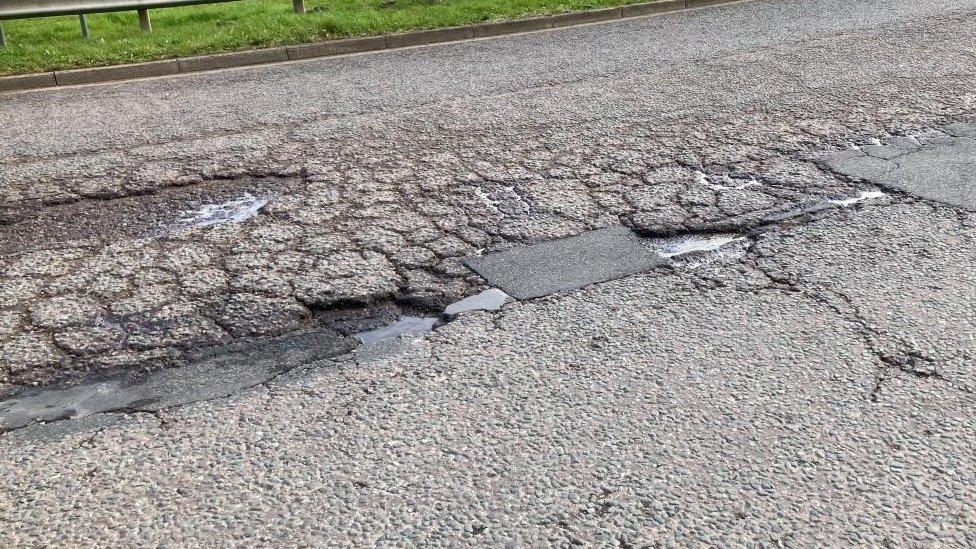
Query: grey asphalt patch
567, 264
938, 166
216, 373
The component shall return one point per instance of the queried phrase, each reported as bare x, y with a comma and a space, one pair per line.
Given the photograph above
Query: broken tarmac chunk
567, 264
491, 299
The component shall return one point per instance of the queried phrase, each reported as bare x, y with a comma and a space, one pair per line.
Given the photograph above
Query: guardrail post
299, 6
144, 22
84, 25
3, 36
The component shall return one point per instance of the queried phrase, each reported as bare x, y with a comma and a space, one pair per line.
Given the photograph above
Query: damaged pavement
722, 296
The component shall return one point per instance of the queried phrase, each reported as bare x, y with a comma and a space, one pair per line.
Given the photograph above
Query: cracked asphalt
815, 388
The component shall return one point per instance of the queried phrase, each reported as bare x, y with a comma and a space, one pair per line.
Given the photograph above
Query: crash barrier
23, 9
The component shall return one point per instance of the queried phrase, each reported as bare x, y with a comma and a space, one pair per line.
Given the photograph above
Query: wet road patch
568, 264
937, 165
214, 373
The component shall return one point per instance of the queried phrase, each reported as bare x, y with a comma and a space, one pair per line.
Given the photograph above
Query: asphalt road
809, 384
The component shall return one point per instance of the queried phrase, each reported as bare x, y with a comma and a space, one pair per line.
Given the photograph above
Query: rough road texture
718, 406
377, 186
816, 390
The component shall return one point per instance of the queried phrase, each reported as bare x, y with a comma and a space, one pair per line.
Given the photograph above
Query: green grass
55, 43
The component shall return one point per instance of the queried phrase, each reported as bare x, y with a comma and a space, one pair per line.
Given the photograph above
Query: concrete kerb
28, 82
233, 59
186, 65
336, 47
117, 72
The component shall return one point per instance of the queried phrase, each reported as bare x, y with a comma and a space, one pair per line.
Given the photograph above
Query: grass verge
36, 45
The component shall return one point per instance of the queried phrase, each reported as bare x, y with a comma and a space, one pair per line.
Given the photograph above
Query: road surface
807, 381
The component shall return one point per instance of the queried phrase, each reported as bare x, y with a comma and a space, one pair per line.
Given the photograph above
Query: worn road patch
937, 165
567, 264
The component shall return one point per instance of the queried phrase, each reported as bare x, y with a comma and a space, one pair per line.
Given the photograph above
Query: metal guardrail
23, 9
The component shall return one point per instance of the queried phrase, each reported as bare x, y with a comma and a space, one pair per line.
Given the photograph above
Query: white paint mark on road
236, 210
863, 197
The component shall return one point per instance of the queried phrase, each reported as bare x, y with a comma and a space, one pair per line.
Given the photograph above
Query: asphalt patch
568, 264
937, 165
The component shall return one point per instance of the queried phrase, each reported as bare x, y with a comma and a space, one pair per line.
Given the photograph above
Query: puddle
684, 245
236, 210
491, 299
405, 325
863, 197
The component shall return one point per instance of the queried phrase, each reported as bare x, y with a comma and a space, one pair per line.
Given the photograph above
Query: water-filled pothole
689, 244
491, 299
143, 216
235, 210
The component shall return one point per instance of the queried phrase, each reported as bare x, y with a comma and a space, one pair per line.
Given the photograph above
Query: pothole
491, 299
142, 216
697, 250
